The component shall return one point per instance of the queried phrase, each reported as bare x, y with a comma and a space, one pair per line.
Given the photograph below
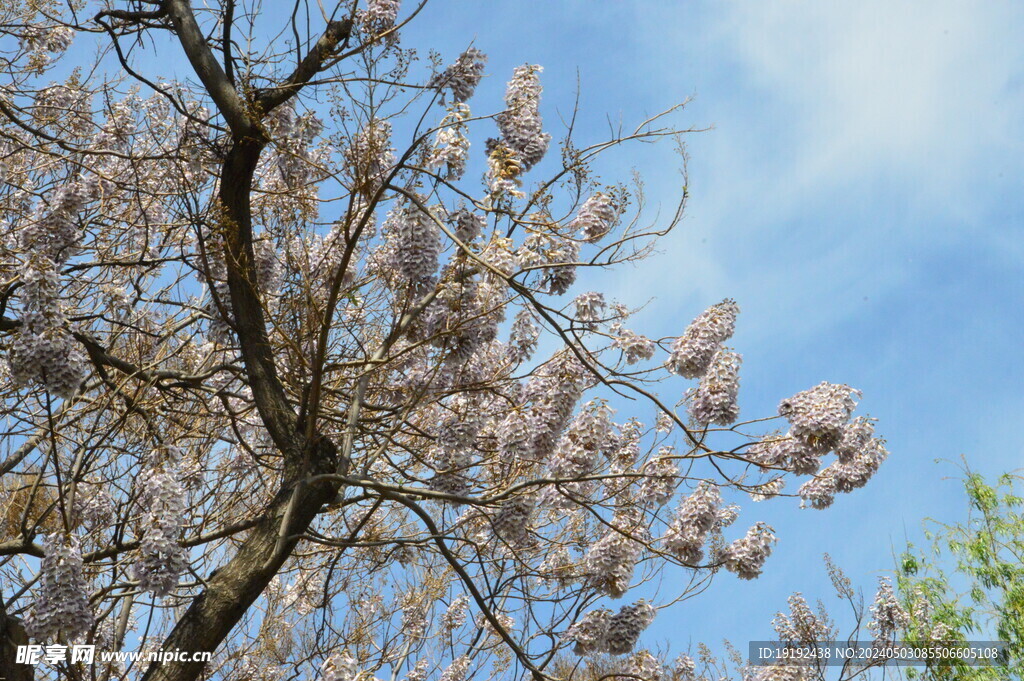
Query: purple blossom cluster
457, 670
419, 671
820, 421
450, 150
661, 477
43, 350
715, 400
414, 242
340, 667
590, 307
746, 556
43, 43
693, 351
512, 522
523, 337
520, 124
93, 505
644, 666
597, 217
379, 16
53, 230
467, 225
462, 77
61, 607
818, 416
601, 631
162, 558
887, 614
559, 270
456, 614
609, 563
694, 520
369, 158
553, 391
802, 625
634, 347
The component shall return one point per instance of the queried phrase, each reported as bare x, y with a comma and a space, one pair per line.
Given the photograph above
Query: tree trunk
12, 635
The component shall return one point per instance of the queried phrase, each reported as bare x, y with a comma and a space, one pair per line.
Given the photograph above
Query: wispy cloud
851, 140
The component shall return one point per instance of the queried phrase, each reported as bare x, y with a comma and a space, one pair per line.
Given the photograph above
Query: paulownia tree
241, 417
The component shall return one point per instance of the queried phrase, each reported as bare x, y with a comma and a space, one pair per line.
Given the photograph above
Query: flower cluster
61, 607
455, 616
293, 136
802, 626
746, 556
633, 346
370, 157
414, 615
379, 16
597, 216
715, 399
92, 506
162, 558
512, 522
462, 77
559, 271
778, 451
684, 668
610, 562
523, 337
600, 631
451, 146
457, 670
590, 631
694, 520
887, 614
818, 416
418, 672
503, 169
554, 390
590, 307
414, 243
340, 667
661, 477
644, 666
467, 224
43, 349
520, 125
43, 43
693, 351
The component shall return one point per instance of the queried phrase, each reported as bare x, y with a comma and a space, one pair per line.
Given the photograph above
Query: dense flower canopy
301, 369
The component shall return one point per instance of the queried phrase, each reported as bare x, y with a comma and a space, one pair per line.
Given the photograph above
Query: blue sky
859, 195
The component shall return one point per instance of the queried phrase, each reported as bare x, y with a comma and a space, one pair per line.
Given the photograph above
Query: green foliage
984, 598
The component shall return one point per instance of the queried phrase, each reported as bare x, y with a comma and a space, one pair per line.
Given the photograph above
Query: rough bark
12, 635
236, 586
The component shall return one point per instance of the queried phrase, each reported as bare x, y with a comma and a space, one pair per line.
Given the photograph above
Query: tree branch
325, 47
199, 54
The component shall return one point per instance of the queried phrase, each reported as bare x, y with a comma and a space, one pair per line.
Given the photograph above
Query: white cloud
850, 139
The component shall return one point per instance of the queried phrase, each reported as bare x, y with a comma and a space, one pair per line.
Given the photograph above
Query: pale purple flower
692, 352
